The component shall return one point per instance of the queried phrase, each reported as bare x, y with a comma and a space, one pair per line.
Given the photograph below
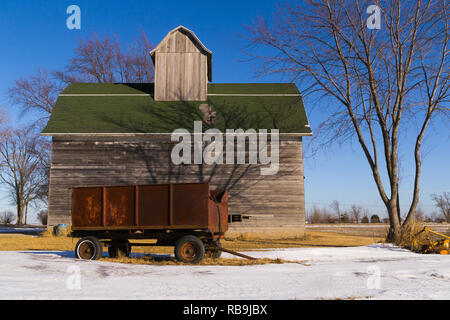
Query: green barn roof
130, 108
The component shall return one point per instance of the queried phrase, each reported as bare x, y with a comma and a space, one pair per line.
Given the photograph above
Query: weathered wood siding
269, 201
180, 70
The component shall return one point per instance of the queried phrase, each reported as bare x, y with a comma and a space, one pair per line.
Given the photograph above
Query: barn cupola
182, 67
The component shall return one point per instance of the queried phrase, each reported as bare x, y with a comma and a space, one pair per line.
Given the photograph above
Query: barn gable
182, 67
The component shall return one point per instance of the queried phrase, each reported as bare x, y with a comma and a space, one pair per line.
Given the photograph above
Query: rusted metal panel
86, 207
119, 206
153, 205
190, 204
218, 206
164, 206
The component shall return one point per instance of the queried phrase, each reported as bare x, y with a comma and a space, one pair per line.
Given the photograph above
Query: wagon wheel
88, 248
189, 249
119, 248
214, 251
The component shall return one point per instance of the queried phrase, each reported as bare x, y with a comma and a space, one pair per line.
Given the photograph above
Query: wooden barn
121, 134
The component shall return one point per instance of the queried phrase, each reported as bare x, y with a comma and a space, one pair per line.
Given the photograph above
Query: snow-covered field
369, 272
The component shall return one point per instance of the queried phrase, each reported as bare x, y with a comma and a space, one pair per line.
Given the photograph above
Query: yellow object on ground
430, 245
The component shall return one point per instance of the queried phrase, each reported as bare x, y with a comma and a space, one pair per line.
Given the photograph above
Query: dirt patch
39, 267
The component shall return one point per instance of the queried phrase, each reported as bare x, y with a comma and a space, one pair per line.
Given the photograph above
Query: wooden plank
195, 76
171, 43
170, 204
203, 78
163, 46
188, 81
160, 75
136, 206
181, 77
172, 83
180, 39
176, 76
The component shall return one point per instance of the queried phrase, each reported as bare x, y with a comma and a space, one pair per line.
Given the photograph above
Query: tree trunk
395, 226
26, 213
19, 215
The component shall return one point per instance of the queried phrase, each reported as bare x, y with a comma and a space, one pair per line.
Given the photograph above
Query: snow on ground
369, 272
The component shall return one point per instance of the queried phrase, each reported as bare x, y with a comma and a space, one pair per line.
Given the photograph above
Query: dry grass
16, 242
249, 241
265, 234
163, 261
414, 238
410, 233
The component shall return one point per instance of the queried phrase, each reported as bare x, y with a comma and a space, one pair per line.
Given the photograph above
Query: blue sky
34, 35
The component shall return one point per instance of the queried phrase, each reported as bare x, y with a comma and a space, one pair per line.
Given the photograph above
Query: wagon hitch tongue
236, 253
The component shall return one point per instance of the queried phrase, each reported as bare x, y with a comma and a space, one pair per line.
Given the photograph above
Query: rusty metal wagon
188, 216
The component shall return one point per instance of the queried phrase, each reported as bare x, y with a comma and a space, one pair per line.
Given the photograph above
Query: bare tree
442, 202
356, 212
378, 83
37, 93
336, 207
137, 63
317, 215
103, 60
419, 215
4, 117
42, 217
21, 168
6, 217
314, 215
95, 60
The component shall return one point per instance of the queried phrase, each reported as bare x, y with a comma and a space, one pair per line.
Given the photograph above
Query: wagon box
110, 215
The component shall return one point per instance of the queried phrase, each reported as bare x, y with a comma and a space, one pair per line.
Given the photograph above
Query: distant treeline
359, 214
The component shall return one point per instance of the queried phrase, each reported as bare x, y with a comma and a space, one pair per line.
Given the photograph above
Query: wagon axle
188, 249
